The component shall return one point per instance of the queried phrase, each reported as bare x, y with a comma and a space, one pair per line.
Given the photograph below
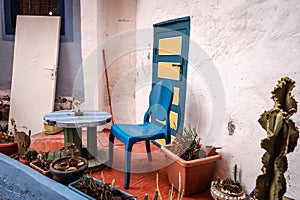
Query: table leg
73, 135
97, 157
92, 141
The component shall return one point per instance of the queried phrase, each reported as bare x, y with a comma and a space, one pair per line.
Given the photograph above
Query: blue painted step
18, 181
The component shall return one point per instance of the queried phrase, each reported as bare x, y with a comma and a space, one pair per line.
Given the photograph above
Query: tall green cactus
282, 136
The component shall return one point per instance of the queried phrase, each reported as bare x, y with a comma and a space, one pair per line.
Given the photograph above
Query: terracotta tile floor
144, 172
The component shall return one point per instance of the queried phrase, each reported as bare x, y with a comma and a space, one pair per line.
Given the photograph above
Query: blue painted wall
69, 55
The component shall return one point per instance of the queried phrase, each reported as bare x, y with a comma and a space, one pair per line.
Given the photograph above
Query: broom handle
107, 86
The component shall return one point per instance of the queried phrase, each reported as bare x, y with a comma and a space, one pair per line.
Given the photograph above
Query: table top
67, 118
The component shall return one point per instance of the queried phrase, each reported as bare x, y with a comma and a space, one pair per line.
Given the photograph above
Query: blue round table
73, 125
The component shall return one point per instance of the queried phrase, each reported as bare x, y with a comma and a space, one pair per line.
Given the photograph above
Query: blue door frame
172, 64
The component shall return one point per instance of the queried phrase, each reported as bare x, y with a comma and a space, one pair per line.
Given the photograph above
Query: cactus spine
282, 136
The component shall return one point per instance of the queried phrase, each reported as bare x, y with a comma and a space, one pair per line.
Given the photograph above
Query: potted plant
8, 146
26, 154
42, 164
282, 137
69, 167
29, 156
226, 188
92, 188
196, 163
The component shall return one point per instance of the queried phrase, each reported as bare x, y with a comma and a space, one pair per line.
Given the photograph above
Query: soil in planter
44, 165
100, 191
69, 164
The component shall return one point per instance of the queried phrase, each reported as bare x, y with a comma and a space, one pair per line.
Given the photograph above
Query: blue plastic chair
160, 101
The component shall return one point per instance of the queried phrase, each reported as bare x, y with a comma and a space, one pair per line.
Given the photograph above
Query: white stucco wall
107, 25
90, 59
118, 41
252, 44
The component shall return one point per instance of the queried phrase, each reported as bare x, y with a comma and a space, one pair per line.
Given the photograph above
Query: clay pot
196, 175
9, 148
66, 177
221, 195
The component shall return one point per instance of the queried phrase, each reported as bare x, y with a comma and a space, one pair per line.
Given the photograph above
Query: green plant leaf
262, 182
278, 184
282, 96
293, 137
272, 121
266, 159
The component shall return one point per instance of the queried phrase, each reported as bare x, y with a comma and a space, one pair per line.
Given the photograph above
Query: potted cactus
42, 164
227, 188
196, 163
92, 188
68, 168
29, 156
282, 137
23, 141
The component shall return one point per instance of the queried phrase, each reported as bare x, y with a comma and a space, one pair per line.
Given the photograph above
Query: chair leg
127, 160
147, 142
111, 150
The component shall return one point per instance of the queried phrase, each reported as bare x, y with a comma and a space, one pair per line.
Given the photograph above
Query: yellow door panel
175, 96
170, 46
173, 120
167, 70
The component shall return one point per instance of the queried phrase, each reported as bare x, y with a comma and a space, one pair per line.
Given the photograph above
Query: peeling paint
231, 127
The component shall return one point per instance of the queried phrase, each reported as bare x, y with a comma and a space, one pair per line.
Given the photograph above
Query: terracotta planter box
44, 172
196, 175
17, 156
9, 148
25, 162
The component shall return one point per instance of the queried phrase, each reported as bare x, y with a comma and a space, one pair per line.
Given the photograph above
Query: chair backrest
160, 101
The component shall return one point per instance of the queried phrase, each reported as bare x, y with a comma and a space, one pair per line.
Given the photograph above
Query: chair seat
137, 132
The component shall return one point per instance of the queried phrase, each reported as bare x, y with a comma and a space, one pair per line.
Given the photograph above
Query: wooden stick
107, 86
